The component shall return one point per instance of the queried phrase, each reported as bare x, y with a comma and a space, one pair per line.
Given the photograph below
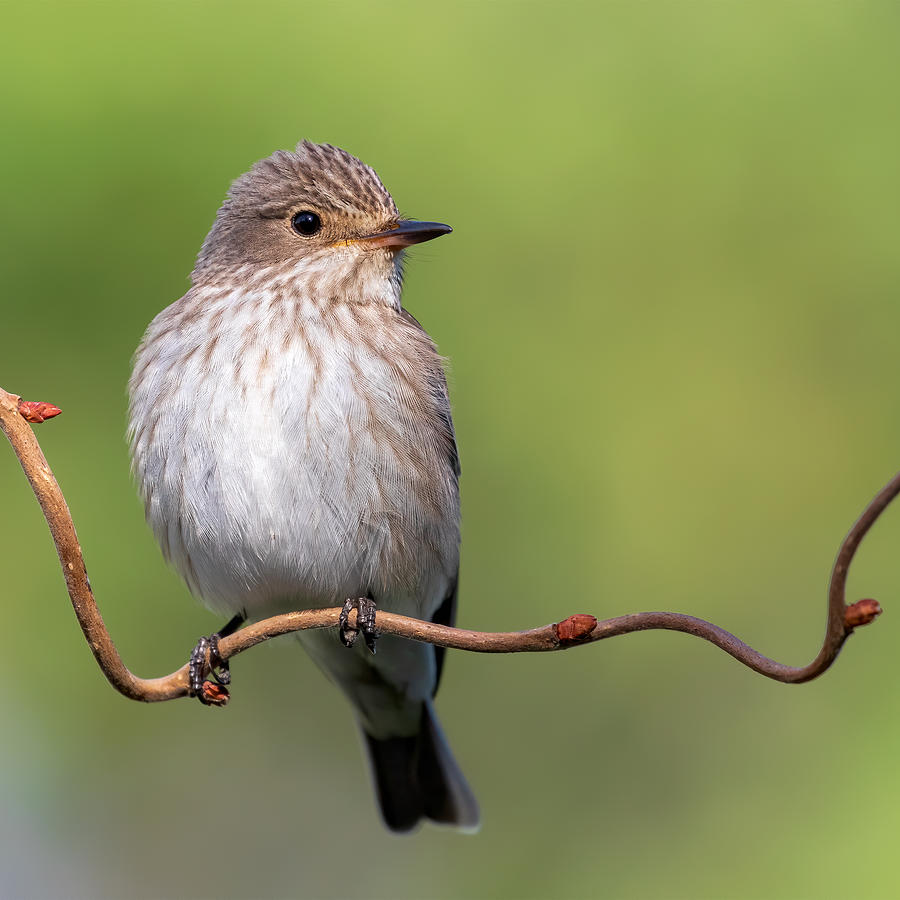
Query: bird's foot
365, 622
211, 693
207, 692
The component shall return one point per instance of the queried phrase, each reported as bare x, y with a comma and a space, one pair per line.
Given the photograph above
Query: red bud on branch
576, 628
36, 412
862, 612
214, 694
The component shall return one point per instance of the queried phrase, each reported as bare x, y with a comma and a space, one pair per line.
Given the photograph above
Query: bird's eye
306, 223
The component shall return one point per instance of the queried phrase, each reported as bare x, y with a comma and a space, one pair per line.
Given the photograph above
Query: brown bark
581, 628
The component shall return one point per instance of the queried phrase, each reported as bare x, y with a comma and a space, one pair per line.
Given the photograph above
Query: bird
292, 441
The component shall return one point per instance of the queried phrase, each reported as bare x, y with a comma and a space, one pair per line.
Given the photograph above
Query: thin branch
573, 631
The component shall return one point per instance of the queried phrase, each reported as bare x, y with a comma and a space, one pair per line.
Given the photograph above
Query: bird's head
318, 209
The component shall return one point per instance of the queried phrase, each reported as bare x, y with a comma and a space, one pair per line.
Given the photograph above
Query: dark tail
418, 778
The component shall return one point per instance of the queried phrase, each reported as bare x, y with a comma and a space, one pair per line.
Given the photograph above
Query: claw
206, 691
365, 622
346, 633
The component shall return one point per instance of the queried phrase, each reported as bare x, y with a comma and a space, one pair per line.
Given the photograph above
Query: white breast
300, 457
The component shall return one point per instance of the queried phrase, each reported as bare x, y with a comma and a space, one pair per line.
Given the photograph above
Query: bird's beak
404, 234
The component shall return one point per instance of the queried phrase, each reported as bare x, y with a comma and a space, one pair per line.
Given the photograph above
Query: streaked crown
253, 224
318, 175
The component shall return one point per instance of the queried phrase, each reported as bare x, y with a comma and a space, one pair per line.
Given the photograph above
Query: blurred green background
671, 305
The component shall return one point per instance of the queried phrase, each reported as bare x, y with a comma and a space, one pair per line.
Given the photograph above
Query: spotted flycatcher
292, 442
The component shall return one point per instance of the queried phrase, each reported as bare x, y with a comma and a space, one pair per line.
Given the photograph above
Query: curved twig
578, 629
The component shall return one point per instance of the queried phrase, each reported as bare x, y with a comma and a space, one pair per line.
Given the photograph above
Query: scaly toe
218, 669
347, 632
365, 620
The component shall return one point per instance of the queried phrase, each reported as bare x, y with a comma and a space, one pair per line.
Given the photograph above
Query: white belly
311, 472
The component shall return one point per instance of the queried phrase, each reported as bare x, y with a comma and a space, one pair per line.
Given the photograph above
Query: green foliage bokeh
671, 305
